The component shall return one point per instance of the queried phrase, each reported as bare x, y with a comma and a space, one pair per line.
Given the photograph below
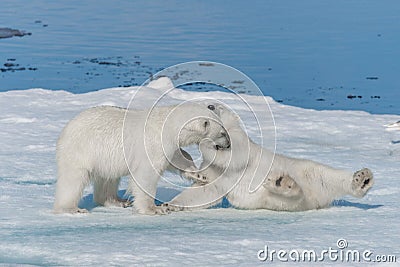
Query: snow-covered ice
31, 121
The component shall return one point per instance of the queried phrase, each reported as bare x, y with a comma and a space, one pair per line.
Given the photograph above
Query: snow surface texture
31, 121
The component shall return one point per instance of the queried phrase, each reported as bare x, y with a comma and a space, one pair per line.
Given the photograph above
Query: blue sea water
312, 54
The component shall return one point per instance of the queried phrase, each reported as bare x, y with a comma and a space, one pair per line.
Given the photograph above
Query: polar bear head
194, 123
239, 148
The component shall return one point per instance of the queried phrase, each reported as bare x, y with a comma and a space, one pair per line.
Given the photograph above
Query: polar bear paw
118, 202
283, 185
172, 208
81, 211
362, 182
155, 210
196, 176
127, 203
161, 210
71, 211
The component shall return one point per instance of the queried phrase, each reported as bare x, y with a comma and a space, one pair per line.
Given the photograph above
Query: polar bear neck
236, 158
173, 124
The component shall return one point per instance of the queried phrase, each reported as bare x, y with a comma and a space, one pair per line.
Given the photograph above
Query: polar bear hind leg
362, 182
70, 185
106, 193
283, 185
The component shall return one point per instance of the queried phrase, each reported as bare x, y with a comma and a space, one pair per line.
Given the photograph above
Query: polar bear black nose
228, 141
211, 107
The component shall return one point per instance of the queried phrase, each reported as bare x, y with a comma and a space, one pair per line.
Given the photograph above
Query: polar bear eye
211, 107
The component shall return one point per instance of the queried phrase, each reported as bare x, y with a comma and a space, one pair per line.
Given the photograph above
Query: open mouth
218, 147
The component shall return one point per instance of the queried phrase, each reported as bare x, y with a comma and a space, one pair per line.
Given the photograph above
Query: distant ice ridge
31, 120
393, 126
8, 32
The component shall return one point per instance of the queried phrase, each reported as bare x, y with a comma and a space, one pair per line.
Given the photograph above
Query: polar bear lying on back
290, 185
102, 144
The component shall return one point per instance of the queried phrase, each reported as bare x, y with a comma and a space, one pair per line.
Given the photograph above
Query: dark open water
314, 54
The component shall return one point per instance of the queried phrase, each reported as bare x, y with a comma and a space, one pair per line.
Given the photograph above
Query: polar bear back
96, 131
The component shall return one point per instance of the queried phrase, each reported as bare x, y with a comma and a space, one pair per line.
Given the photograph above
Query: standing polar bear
288, 184
102, 144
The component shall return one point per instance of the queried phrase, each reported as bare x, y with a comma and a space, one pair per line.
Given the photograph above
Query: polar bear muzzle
226, 145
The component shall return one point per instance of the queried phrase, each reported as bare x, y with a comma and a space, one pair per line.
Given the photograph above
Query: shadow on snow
88, 203
345, 203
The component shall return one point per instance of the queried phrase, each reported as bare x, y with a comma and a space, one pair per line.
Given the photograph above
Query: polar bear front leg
196, 197
362, 182
143, 185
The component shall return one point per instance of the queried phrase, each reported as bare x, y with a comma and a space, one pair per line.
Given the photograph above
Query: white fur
102, 144
303, 184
